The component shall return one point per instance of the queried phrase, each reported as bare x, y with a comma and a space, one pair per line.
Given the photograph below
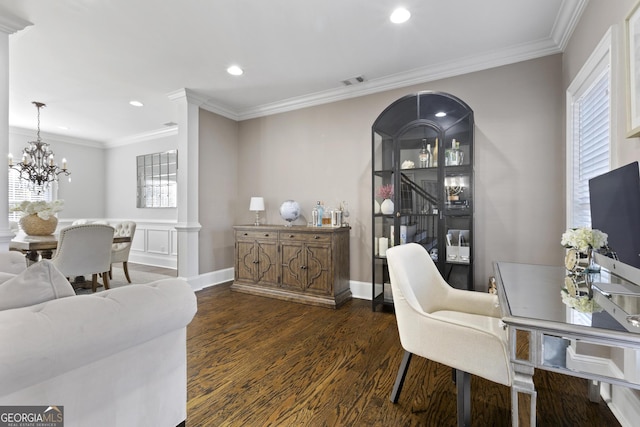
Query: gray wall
120, 167
324, 153
218, 188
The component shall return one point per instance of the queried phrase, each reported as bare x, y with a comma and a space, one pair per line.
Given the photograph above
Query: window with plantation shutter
589, 131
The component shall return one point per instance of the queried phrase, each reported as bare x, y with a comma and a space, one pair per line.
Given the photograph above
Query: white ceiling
86, 59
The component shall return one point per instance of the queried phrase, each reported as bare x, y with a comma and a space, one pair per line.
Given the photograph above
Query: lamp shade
257, 204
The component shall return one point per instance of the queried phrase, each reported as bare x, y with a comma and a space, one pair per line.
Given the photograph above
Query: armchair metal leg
402, 373
463, 387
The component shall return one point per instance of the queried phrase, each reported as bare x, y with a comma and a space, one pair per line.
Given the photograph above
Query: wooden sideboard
302, 264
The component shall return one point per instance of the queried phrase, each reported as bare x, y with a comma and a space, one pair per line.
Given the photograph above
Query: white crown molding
566, 21
221, 111
141, 137
30, 135
10, 24
191, 96
466, 65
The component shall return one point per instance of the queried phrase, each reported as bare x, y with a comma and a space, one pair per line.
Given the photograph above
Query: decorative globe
290, 211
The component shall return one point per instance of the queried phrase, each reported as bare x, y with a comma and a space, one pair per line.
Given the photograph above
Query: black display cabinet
422, 149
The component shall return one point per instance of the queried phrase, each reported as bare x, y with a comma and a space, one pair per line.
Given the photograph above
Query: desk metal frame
541, 332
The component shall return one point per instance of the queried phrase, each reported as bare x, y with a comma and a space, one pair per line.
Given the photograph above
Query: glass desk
600, 343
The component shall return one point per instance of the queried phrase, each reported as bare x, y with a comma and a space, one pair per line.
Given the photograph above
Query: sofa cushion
12, 262
39, 283
6, 276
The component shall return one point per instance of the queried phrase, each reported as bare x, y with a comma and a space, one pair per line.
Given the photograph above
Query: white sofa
114, 358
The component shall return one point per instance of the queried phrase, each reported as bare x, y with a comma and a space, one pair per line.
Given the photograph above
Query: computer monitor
615, 210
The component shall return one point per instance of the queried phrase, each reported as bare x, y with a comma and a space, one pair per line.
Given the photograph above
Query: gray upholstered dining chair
85, 249
458, 328
120, 251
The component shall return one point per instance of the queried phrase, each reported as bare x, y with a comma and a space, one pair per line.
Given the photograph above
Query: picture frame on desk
632, 62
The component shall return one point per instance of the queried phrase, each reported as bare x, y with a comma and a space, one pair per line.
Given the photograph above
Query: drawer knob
256, 262
303, 267
316, 237
266, 234
291, 236
246, 234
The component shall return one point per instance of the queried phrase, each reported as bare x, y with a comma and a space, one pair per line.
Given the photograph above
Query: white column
9, 24
187, 106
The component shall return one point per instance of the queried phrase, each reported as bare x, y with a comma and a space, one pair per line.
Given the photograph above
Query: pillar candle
383, 245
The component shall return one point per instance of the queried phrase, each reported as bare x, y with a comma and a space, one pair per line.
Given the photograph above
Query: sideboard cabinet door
257, 257
306, 263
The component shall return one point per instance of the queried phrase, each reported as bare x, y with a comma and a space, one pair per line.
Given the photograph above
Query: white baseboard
154, 260
360, 290
212, 278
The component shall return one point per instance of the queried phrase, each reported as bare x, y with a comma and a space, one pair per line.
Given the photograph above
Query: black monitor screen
615, 210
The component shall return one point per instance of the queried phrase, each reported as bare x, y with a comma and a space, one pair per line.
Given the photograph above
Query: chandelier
37, 164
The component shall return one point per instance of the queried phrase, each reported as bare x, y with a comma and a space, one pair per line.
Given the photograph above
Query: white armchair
460, 329
85, 249
120, 251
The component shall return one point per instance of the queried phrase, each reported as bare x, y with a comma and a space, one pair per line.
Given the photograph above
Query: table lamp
257, 205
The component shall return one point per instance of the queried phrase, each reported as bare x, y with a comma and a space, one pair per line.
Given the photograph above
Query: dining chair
458, 328
85, 249
120, 251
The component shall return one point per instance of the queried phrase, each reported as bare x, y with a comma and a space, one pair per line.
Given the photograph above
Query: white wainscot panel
158, 241
153, 244
138, 241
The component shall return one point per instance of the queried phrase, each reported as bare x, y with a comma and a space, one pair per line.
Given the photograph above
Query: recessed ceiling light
234, 70
441, 114
136, 103
400, 15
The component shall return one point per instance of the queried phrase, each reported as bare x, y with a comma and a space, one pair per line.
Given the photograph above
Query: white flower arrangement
44, 210
583, 239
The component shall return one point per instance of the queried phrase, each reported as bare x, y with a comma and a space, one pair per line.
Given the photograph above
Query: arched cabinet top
422, 107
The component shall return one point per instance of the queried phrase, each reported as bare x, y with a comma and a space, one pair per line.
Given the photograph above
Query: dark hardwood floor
255, 361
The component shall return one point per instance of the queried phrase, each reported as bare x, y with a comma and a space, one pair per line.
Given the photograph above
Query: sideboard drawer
256, 234
305, 237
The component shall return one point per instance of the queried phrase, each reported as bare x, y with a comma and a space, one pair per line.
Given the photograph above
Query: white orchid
44, 210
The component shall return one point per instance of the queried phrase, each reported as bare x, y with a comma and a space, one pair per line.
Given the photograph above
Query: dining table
35, 246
